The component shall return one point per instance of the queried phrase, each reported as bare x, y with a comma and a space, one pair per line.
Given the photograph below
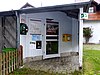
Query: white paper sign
33, 45
35, 26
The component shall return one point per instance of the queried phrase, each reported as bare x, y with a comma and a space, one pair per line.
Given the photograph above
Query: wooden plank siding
8, 32
1, 34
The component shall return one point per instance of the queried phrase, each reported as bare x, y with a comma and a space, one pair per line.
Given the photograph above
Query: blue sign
36, 37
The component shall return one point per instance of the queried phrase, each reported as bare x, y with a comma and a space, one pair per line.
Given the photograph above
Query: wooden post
21, 55
17, 59
6, 62
80, 38
0, 63
9, 62
3, 64
14, 59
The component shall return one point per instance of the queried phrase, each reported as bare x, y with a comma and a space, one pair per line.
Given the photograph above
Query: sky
6, 5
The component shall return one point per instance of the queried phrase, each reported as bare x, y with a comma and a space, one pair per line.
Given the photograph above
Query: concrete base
29, 59
69, 54
68, 62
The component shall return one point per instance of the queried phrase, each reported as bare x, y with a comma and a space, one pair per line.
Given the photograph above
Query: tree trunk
86, 40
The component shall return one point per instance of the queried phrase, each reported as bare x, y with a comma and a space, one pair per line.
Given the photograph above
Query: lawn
91, 64
28, 71
25, 71
91, 60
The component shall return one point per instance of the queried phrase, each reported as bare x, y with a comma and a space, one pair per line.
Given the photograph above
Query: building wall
67, 25
75, 35
95, 25
8, 32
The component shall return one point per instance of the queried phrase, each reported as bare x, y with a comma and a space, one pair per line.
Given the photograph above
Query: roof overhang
69, 9
55, 8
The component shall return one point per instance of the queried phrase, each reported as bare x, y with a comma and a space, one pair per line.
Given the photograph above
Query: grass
25, 71
91, 64
8, 49
91, 60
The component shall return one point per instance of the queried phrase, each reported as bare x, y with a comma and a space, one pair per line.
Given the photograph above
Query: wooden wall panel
0, 34
10, 32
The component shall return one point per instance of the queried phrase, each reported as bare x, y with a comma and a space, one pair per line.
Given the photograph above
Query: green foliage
8, 49
87, 33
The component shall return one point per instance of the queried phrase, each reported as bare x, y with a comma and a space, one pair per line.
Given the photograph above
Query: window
91, 10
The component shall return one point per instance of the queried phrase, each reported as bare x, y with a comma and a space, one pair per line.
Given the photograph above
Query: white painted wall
95, 25
75, 34
67, 26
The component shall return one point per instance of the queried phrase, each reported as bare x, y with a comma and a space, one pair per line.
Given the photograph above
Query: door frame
45, 56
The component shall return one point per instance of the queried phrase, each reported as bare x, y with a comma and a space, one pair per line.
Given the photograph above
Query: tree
87, 33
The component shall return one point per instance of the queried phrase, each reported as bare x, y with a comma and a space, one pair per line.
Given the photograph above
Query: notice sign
35, 26
33, 45
84, 16
36, 37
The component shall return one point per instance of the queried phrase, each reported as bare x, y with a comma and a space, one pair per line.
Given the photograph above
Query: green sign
84, 16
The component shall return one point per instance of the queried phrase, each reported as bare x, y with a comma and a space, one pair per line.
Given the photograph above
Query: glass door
52, 39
